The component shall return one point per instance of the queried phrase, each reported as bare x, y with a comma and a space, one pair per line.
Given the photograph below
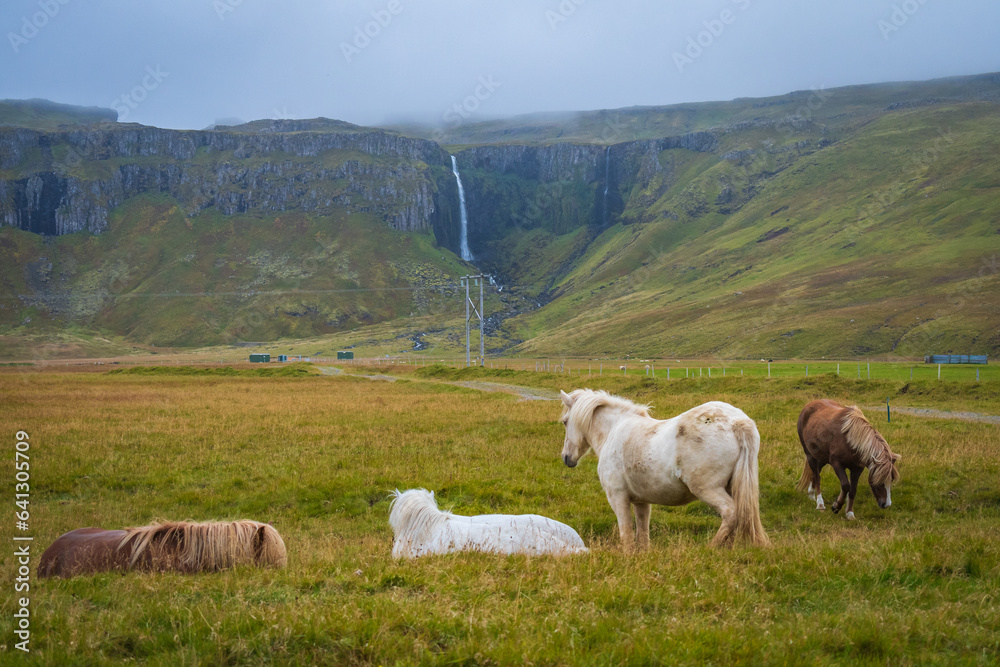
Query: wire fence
652, 369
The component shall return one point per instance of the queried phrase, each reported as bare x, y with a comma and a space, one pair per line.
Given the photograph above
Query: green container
345, 355
260, 358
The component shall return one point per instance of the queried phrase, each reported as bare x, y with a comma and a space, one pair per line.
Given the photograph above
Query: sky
187, 63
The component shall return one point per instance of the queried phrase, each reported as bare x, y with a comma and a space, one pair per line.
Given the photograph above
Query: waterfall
464, 242
607, 181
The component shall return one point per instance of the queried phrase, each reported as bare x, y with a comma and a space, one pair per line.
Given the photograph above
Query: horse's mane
414, 514
870, 446
188, 546
586, 401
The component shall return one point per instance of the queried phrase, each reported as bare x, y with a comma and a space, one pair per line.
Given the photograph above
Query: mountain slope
160, 277
849, 222
837, 107
888, 241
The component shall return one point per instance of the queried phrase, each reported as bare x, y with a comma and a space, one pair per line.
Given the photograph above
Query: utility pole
468, 318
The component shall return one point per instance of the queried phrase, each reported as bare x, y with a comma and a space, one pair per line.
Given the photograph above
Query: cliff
60, 182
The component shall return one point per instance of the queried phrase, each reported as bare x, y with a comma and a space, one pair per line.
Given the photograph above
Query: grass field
317, 455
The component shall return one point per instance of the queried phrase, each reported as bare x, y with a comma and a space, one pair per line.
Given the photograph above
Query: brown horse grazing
175, 546
841, 436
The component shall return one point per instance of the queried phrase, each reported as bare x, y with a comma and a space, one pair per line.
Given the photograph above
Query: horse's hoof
835, 509
821, 507
850, 515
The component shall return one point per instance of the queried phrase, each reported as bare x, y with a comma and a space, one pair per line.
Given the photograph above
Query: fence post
939, 371
769, 369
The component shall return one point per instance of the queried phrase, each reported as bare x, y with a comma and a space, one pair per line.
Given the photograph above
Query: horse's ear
567, 399
896, 457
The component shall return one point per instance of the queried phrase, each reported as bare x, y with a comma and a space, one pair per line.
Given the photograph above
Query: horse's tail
806, 480
745, 485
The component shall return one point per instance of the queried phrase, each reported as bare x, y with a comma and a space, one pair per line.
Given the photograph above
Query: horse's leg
623, 510
855, 476
724, 504
814, 490
641, 525
845, 486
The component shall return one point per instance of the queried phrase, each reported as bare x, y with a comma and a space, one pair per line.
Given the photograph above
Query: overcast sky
186, 63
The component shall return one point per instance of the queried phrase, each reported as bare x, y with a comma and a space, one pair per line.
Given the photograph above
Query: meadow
317, 454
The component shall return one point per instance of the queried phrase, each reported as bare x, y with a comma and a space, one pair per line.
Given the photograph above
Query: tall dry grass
317, 456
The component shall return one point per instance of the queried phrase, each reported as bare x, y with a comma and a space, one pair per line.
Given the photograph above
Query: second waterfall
464, 239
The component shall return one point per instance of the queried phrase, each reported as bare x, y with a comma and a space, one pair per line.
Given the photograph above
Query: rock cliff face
67, 181
558, 187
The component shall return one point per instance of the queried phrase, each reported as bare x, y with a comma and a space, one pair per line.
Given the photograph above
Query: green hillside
159, 277
885, 242
45, 115
860, 221
838, 107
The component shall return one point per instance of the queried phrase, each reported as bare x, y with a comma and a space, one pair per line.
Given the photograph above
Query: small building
282, 357
345, 354
956, 359
260, 358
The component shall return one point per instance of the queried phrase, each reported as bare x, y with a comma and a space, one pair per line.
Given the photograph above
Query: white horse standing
707, 453
420, 528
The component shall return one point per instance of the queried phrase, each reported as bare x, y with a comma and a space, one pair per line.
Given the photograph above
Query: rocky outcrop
69, 180
65, 181
560, 186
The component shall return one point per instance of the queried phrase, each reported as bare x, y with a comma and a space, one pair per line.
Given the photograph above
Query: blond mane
870, 446
187, 546
413, 515
586, 401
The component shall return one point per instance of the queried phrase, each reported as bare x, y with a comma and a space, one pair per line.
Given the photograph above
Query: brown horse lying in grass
841, 436
175, 546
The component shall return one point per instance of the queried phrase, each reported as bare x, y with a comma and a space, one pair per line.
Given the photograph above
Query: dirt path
943, 414
331, 370
537, 394
524, 393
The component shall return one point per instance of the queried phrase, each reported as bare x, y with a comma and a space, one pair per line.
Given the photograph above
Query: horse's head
881, 482
575, 445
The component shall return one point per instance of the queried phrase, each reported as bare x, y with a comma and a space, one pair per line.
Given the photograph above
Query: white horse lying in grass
708, 453
420, 528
